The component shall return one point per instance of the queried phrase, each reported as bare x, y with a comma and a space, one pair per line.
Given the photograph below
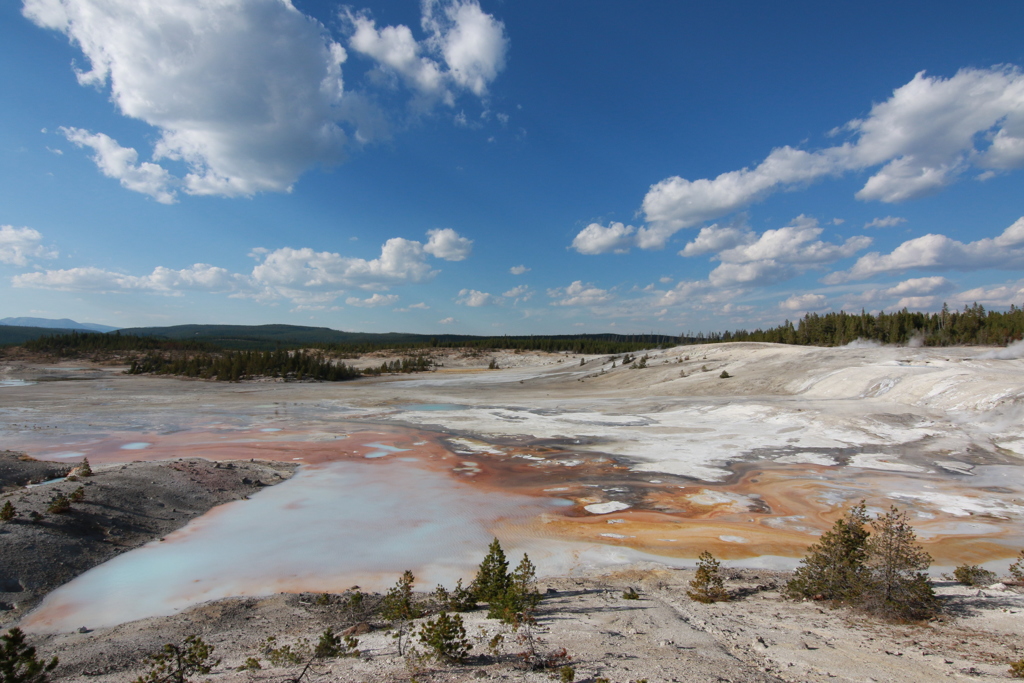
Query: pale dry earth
663, 636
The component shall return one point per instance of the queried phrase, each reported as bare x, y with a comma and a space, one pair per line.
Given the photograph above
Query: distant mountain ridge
61, 324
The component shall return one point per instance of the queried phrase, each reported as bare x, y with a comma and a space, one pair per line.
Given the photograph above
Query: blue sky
517, 167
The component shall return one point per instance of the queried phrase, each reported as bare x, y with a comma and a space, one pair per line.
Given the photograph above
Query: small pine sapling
285, 655
250, 664
725, 375
521, 596
445, 638
355, 601
460, 599
630, 594
332, 646
7, 512
567, 674
85, 470
399, 608
78, 495
59, 504
18, 661
176, 663
1017, 669
707, 585
974, 575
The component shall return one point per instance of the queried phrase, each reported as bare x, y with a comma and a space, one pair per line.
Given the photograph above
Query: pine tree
7, 512
707, 585
898, 587
834, 568
1017, 568
18, 662
175, 664
492, 578
399, 608
445, 636
520, 598
84, 470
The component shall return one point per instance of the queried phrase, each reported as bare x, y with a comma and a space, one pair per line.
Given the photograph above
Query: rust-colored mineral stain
763, 508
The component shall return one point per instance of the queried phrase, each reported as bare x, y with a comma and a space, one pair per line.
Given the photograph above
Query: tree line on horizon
74, 342
974, 325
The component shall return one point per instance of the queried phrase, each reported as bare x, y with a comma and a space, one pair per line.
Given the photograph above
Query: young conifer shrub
84, 470
1017, 568
834, 568
177, 663
7, 512
492, 578
59, 505
974, 575
898, 588
459, 599
331, 646
707, 585
400, 609
445, 638
18, 661
1017, 669
520, 598
78, 495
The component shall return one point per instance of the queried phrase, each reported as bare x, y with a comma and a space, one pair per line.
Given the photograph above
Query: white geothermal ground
582, 464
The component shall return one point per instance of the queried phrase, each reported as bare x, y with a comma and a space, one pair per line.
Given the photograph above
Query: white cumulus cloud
19, 245
794, 243
887, 222
804, 302
448, 245
714, 239
919, 286
473, 42
992, 295
926, 135
374, 301
578, 294
779, 254
305, 276
199, 277
942, 253
464, 48
475, 298
518, 270
287, 270
245, 92
122, 163
519, 292
598, 239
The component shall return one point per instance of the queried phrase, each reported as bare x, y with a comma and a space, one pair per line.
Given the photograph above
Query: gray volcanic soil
125, 506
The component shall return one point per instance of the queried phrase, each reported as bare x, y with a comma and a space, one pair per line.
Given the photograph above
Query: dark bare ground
125, 506
18, 470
